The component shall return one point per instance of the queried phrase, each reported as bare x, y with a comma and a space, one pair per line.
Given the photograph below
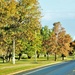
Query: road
65, 68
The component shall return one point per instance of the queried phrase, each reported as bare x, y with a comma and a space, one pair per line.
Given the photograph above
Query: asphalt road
66, 68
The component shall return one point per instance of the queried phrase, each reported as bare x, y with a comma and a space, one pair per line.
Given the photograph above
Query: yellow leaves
19, 41
12, 8
15, 15
1, 0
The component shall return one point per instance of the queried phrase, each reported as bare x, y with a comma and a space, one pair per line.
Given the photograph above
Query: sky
62, 11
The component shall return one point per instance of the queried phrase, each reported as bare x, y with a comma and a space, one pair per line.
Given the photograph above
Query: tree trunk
63, 58
3, 58
47, 56
44, 55
6, 58
35, 56
13, 56
29, 57
19, 56
10, 56
38, 54
55, 56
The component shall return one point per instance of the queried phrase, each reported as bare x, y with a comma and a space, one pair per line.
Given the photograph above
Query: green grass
26, 64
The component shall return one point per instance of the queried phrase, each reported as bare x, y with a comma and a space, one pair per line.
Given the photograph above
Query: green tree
32, 22
46, 34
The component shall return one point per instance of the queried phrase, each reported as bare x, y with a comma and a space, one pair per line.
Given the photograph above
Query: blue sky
59, 11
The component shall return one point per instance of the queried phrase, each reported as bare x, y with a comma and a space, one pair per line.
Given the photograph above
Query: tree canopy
21, 20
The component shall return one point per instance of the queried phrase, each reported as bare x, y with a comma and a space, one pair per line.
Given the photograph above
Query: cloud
58, 15
47, 16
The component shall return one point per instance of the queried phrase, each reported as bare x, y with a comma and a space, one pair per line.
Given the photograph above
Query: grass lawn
24, 64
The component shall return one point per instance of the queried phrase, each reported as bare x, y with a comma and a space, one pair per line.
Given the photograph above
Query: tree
62, 40
18, 23
64, 43
56, 29
32, 22
59, 42
72, 45
46, 34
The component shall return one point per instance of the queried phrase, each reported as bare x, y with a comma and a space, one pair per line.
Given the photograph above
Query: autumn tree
32, 23
64, 43
19, 21
59, 42
62, 40
72, 44
56, 29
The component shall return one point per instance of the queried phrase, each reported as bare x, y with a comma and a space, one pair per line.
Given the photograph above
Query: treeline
20, 22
